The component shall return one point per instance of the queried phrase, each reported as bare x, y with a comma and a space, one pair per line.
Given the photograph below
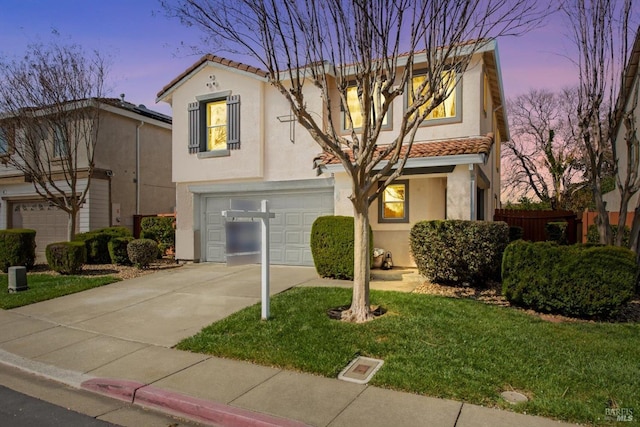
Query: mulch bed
119, 271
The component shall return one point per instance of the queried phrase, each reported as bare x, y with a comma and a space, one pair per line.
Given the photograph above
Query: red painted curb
118, 389
207, 411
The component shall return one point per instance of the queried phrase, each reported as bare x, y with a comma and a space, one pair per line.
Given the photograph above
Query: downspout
138, 167
472, 195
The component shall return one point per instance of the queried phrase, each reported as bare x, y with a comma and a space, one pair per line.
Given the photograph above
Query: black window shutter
194, 127
233, 122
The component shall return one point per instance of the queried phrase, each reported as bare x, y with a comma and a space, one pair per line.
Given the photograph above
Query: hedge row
455, 252
69, 257
579, 280
97, 243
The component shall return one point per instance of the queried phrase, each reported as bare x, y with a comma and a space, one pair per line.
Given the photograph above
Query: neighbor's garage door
290, 229
49, 222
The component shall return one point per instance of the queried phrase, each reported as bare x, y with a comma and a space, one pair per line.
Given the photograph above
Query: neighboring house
233, 138
132, 175
628, 101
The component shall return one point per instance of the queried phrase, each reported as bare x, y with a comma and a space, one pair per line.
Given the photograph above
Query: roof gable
210, 59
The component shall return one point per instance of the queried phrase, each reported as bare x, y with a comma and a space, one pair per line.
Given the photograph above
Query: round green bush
142, 252
66, 257
455, 252
17, 248
580, 280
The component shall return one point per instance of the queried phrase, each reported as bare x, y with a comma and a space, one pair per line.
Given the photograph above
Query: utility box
17, 279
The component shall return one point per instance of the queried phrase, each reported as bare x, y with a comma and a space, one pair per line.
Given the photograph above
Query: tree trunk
622, 218
604, 228
634, 237
71, 225
360, 310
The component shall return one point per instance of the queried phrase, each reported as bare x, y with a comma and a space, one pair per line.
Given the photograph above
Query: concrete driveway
165, 307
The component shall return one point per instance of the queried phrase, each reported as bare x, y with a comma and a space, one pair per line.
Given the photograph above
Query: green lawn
46, 286
451, 348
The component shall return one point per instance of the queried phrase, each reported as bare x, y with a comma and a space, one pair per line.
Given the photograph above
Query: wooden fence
533, 222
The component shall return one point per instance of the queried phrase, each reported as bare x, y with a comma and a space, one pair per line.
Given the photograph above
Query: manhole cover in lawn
360, 370
513, 397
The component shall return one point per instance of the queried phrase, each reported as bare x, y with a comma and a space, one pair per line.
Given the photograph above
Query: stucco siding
116, 151
459, 193
122, 141
189, 167
157, 192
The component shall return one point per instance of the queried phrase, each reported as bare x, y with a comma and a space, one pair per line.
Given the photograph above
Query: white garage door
49, 222
290, 230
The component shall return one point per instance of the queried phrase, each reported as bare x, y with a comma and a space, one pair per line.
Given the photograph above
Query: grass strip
444, 347
43, 287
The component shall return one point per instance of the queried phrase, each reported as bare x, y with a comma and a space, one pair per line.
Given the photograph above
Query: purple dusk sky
146, 48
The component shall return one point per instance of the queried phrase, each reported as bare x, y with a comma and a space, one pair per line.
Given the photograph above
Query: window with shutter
214, 124
194, 127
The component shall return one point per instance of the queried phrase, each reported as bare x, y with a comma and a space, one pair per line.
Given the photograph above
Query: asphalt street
29, 400
20, 410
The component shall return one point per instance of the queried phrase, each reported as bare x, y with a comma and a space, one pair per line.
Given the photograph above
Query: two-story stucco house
233, 138
132, 175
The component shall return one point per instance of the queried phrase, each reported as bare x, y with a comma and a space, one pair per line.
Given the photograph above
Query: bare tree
543, 155
49, 112
600, 31
332, 45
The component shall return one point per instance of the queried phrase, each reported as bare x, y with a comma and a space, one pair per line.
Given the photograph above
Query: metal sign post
265, 216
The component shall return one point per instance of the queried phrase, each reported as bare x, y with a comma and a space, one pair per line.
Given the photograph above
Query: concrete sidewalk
117, 339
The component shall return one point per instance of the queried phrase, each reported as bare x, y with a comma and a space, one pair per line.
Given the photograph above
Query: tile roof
446, 147
213, 58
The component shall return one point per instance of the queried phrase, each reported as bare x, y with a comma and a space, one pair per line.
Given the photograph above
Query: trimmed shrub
579, 280
556, 231
332, 246
515, 233
593, 236
118, 250
97, 243
66, 257
17, 248
161, 229
142, 252
455, 252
